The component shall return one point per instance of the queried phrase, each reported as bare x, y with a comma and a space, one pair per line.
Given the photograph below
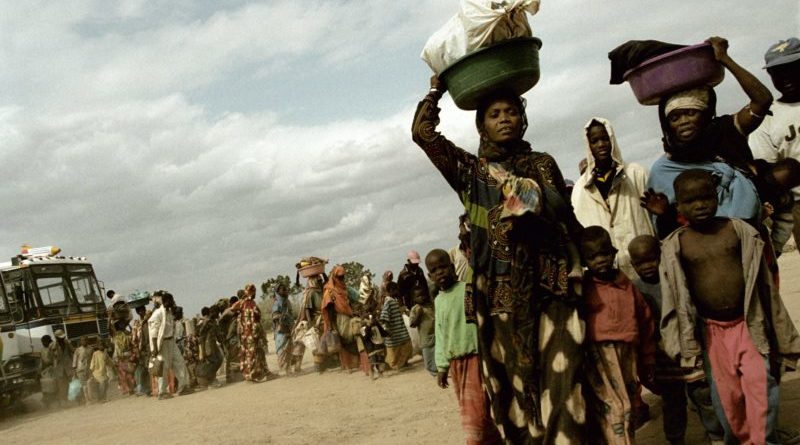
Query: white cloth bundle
413, 333
307, 335
366, 290
479, 23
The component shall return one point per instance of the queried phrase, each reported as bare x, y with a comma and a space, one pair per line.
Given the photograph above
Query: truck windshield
53, 290
65, 285
86, 289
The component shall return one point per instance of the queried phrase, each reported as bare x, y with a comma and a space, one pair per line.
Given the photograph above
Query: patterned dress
124, 360
336, 315
210, 356
282, 323
529, 331
251, 340
191, 351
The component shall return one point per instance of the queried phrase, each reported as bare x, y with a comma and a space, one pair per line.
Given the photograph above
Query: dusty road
342, 408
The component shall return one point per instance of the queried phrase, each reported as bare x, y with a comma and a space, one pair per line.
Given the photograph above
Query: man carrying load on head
311, 313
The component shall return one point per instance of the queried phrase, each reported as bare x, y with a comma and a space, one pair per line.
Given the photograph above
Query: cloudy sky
199, 145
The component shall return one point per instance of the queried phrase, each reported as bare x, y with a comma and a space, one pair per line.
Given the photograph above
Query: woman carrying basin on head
518, 293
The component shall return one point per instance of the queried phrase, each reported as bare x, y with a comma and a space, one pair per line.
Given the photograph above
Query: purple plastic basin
690, 67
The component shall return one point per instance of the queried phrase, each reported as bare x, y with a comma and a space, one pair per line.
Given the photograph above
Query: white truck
41, 293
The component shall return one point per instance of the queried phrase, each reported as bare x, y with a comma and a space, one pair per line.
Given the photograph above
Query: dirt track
308, 409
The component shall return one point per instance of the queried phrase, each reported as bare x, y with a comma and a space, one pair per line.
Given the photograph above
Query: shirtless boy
713, 270
672, 382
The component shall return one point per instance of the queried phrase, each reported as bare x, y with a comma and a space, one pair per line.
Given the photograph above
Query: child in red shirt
619, 330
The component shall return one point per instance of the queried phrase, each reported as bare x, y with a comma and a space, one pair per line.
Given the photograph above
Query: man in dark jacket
411, 275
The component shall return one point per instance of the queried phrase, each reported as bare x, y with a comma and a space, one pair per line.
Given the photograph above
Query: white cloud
67, 53
108, 153
161, 195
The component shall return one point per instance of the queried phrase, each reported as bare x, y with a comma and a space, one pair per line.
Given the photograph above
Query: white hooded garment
621, 214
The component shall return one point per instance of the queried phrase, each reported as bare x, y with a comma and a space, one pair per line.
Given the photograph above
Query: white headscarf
696, 99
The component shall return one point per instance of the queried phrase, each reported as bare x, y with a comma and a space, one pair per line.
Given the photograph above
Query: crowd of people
560, 302
580, 294
161, 353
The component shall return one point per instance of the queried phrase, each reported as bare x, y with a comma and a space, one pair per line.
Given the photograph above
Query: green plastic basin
511, 64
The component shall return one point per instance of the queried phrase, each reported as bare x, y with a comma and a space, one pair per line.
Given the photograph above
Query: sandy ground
343, 408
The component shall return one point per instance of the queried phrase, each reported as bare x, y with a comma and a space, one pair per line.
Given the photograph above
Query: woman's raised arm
455, 164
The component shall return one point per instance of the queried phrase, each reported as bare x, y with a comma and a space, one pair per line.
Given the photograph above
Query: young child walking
99, 367
398, 343
671, 382
373, 335
619, 330
80, 365
456, 351
714, 273
422, 317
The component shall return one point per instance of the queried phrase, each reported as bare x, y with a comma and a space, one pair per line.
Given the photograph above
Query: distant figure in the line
141, 349
312, 314
114, 298
123, 351
210, 355
387, 278
336, 316
65, 353
251, 337
282, 323
422, 318
398, 343
80, 364
49, 372
99, 367
411, 275
162, 343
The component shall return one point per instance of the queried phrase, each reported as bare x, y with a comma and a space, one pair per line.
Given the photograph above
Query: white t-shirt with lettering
778, 137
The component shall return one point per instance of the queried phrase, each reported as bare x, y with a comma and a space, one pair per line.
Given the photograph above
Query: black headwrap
705, 146
491, 150
720, 140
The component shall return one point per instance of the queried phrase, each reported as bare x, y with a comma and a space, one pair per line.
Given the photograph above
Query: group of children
95, 376
89, 367
708, 288
703, 318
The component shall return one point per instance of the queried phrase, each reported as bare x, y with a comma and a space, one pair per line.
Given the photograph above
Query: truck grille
103, 323
79, 329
